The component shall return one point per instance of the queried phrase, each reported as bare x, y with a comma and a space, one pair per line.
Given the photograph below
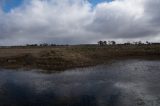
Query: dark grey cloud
77, 21
152, 10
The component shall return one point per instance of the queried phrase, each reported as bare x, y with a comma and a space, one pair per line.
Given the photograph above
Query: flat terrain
64, 57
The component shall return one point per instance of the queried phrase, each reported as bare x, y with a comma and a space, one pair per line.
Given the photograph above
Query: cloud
46, 20
122, 19
77, 21
152, 10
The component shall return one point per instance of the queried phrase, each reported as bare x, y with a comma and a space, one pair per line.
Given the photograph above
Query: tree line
100, 43
43, 45
103, 43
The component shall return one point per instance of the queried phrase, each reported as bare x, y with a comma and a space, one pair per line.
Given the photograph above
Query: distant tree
41, 45
109, 42
128, 43
44, 44
53, 45
35, 44
27, 44
148, 43
113, 42
31, 45
100, 43
140, 43
105, 42
134, 43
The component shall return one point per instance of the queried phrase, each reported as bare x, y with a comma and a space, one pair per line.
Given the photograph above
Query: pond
121, 83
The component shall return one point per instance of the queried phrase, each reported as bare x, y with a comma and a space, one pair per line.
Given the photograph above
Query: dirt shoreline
66, 57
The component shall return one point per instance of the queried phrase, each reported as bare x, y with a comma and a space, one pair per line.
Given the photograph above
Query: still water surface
122, 83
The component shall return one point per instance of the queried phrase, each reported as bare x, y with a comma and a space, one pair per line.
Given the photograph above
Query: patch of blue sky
8, 5
95, 2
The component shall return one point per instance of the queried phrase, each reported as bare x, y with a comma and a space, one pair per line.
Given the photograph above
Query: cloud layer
78, 21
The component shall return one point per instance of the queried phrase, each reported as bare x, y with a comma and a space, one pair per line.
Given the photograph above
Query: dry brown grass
60, 58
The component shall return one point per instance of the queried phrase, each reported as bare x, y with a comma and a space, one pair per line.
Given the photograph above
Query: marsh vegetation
61, 57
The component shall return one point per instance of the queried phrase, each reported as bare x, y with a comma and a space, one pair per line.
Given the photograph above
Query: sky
10, 4
78, 21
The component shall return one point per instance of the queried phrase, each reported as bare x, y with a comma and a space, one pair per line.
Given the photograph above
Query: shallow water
122, 83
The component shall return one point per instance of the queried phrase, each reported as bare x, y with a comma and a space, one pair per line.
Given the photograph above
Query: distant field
63, 57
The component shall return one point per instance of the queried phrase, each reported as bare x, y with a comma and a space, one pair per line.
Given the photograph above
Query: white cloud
76, 21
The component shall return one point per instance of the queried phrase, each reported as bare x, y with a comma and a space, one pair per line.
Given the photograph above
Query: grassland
64, 57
